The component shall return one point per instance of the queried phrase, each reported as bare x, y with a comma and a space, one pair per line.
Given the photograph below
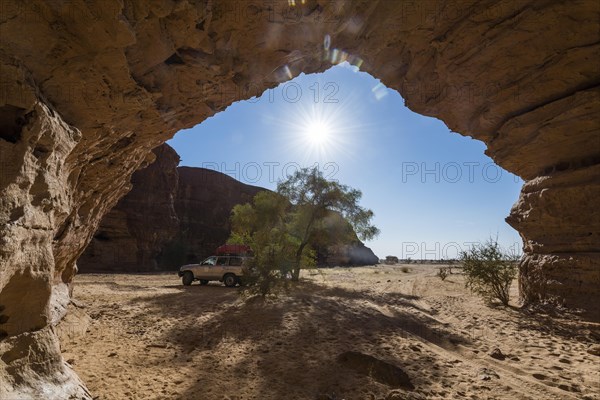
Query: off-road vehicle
228, 269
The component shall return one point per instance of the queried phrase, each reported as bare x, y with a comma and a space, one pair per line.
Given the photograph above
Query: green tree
489, 270
263, 225
313, 198
283, 226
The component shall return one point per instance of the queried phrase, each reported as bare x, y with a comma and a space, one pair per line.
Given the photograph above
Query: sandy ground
152, 338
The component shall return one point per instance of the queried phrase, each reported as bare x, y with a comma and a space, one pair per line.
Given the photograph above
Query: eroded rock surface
561, 237
89, 88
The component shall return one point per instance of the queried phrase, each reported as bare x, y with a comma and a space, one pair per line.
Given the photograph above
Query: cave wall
89, 88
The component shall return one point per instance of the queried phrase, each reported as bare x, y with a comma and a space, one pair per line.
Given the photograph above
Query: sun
318, 128
317, 132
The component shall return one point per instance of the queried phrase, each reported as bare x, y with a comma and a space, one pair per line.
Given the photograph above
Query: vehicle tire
188, 278
230, 280
204, 282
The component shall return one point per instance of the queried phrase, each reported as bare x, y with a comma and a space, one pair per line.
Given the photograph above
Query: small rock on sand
486, 374
497, 354
594, 350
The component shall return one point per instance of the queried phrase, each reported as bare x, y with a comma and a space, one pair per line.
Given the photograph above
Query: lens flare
323, 123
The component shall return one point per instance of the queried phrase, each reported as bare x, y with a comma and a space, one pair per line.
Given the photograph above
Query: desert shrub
489, 270
391, 260
405, 270
443, 272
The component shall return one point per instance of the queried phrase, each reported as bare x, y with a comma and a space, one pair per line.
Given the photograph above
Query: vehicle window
209, 261
235, 261
222, 261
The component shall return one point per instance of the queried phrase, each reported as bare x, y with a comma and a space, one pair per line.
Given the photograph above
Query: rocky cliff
204, 202
89, 88
175, 215
131, 236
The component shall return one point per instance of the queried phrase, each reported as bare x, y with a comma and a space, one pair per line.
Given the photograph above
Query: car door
204, 270
221, 267
236, 265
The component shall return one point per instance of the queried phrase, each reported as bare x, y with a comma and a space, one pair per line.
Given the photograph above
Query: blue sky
433, 191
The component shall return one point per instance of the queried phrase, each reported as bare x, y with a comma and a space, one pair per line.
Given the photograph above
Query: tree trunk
296, 272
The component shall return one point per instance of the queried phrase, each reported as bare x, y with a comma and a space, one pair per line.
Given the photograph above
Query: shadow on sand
288, 348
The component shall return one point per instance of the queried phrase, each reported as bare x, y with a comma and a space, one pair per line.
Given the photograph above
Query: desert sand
149, 337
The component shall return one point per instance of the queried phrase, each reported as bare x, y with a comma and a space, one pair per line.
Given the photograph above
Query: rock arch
88, 89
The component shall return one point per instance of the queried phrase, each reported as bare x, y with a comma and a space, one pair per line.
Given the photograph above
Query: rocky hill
175, 215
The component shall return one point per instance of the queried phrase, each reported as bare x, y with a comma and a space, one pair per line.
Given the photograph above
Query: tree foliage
263, 226
282, 227
313, 199
489, 270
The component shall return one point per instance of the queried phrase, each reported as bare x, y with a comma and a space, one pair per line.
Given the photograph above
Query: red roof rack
234, 250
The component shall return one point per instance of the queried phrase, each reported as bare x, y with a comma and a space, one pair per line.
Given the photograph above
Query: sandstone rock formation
204, 202
89, 88
561, 260
131, 236
348, 250
175, 215
353, 254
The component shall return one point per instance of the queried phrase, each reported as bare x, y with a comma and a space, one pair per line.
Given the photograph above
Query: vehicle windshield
210, 261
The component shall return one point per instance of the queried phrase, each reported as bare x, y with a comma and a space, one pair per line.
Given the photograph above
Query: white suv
226, 269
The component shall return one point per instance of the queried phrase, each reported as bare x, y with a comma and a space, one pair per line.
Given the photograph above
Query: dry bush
489, 271
443, 272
